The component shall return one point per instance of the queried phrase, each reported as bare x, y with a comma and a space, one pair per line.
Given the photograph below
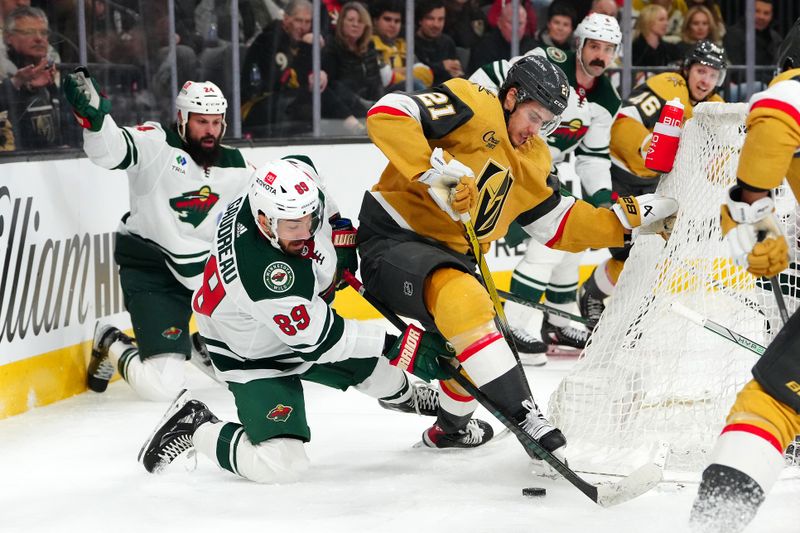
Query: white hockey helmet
600, 27
204, 98
283, 193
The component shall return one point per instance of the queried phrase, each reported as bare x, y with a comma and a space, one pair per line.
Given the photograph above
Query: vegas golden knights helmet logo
494, 183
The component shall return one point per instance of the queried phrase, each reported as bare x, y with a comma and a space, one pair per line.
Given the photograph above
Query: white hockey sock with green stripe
273, 461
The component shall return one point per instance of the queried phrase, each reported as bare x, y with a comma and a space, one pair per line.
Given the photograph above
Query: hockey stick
724, 289
544, 308
637, 483
719, 329
776, 290
488, 281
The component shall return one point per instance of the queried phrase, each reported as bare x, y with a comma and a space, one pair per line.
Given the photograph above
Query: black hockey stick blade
637, 483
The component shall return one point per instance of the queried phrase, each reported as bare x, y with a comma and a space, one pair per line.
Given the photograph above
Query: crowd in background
363, 54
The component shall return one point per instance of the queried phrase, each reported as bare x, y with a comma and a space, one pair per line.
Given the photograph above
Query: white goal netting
649, 375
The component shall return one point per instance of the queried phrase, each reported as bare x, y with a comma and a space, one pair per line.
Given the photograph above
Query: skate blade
556, 350
177, 404
533, 359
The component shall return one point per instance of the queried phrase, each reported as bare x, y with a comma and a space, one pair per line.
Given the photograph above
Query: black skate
424, 401
564, 341
531, 350
173, 434
542, 431
101, 369
591, 302
476, 433
201, 359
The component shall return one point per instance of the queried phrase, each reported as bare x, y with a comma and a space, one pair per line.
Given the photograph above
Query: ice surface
72, 467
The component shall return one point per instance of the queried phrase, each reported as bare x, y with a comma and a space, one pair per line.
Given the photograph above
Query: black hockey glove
88, 105
418, 351
344, 240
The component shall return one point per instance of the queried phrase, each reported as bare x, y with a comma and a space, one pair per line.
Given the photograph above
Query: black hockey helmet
536, 78
789, 50
709, 54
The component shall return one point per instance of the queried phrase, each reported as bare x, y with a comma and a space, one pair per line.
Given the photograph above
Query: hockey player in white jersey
263, 310
585, 131
180, 181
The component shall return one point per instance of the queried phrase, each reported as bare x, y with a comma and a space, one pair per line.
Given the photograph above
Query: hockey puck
534, 492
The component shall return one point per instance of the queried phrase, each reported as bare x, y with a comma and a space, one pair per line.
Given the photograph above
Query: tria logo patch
193, 206
181, 160
280, 413
171, 333
279, 277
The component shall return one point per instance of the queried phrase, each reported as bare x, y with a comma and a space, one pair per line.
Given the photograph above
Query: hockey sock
158, 379
455, 407
387, 383
613, 270
278, 460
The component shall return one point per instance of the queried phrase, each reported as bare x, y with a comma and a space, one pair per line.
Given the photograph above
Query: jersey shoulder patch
265, 272
556, 55
669, 85
446, 107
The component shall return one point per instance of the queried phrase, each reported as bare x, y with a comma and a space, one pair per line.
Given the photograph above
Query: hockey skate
475, 434
542, 431
424, 401
173, 434
564, 341
201, 359
101, 369
591, 302
531, 350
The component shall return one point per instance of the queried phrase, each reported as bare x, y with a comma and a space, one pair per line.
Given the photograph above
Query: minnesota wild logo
193, 206
279, 277
280, 413
171, 333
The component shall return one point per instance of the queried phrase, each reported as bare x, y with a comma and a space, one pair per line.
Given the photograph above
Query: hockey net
649, 375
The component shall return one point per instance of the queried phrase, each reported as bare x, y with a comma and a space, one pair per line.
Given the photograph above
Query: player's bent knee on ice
273, 461
159, 378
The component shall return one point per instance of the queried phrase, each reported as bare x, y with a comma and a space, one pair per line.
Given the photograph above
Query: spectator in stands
464, 21
30, 92
496, 43
698, 25
604, 7
649, 48
276, 76
351, 61
493, 16
387, 20
561, 20
716, 12
432, 46
767, 40
675, 11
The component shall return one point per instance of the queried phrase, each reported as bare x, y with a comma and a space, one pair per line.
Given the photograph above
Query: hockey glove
88, 105
417, 351
646, 211
344, 240
451, 185
752, 235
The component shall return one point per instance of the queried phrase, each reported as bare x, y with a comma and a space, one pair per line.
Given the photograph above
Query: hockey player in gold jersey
749, 454
703, 72
489, 161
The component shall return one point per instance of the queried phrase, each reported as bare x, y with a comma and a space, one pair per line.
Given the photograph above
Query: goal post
649, 375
